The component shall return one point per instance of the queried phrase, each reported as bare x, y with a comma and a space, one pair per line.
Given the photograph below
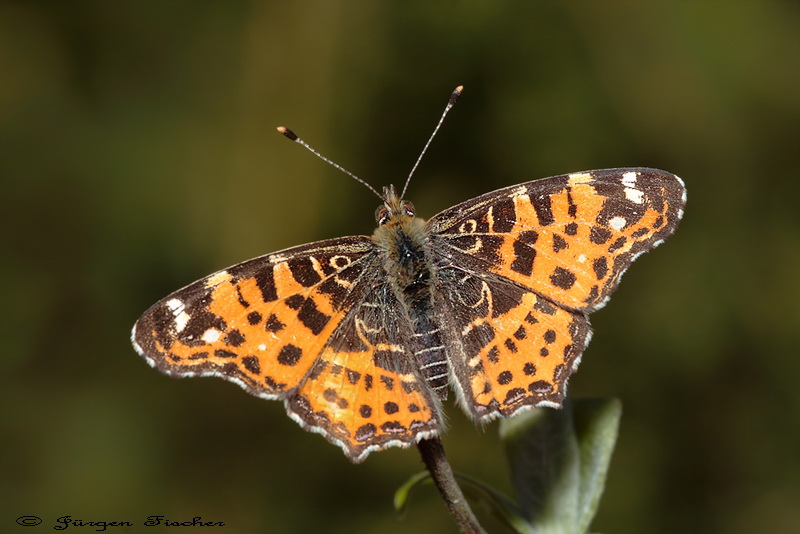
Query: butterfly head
394, 208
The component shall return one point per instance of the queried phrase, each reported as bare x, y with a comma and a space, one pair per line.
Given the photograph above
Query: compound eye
382, 215
408, 208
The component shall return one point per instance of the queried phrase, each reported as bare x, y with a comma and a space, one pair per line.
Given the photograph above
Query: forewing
261, 324
568, 238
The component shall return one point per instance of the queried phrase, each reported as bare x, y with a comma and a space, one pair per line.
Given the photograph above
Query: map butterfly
362, 337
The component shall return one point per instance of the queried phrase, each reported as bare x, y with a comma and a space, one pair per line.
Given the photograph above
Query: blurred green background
138, 153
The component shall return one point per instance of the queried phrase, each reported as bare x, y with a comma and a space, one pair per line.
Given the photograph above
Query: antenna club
283, 130
286, 132
456, 93
450, 103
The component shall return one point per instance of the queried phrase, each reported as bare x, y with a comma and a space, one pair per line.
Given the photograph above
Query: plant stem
432, 452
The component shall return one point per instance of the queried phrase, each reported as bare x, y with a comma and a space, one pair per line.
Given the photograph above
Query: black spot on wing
524, 253
308, 313
572, 210
265, 280
295, 302
388, 382
234, 338
545, 307
289, 355
562, 278
521, 333
303, 271
312, 318
559, 243
511, 346
505, 378
251, 364
600, 266
544, 210
504, 215
241, 298
599, 235
274, 324
549, 336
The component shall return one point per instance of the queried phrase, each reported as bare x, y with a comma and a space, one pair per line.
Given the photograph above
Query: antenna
293, 137
453, 99
286, 132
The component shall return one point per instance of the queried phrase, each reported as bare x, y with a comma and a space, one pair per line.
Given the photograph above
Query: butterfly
363, 337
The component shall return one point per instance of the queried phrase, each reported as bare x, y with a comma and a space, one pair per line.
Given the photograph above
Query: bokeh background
138, 153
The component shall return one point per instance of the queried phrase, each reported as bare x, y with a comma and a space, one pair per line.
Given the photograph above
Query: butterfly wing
304, 325
508, 347
543, 254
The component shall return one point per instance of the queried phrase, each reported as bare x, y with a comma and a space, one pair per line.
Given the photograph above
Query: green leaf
597, 427
559, 460
404, 491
